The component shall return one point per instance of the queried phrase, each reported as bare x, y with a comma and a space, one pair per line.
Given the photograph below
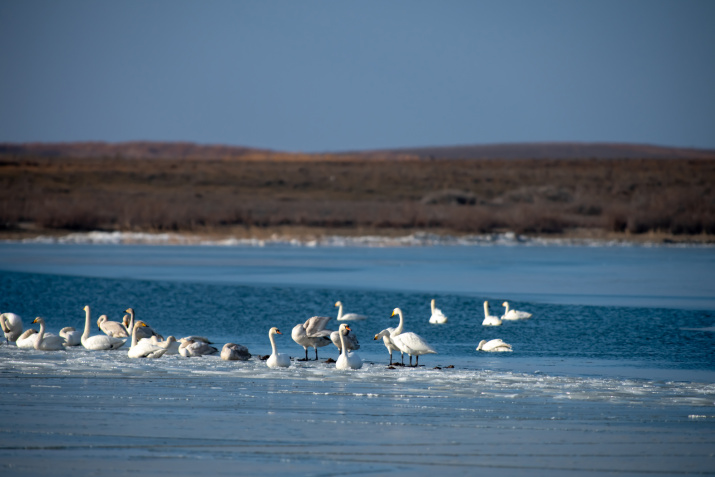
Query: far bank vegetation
526, 196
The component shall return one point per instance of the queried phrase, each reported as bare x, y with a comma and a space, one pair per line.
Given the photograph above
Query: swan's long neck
85, 335
399, 329
433, 307
134, 336
273, 342
41, 335
486, 309
340, 311
131, 320
344, 350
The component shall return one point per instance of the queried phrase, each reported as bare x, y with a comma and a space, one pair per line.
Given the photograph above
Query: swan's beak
279, 332
34, 321
348, 328
376, 337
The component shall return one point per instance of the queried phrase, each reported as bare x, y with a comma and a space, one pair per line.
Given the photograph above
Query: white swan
410, 343
71, 336
347, 359
348, 316
98, 342
437, 317
47, 341
11, 325
514, 314
112, 328
144, 331
493, 345
278, 360
190, 348
235, 352
27, 339
490, 320
385, 335
312, 334
351, 340
148, 347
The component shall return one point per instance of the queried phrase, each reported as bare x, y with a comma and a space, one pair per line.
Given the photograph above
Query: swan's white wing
314, 325
412, 343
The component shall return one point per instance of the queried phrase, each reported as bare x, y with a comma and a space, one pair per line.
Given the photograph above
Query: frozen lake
614, 373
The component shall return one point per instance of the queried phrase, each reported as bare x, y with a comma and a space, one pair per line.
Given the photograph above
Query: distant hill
185, 150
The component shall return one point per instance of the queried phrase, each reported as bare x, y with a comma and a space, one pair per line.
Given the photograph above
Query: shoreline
324, 236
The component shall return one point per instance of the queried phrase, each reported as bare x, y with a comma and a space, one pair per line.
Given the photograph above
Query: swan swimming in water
71, 336
277, 360
490, 320
112, 328
347, 359
409, 342
11, 325
348, 316
493, 345
312, 334
514, 314
47, 341
437, 317
385, 335
98, 342
235, 352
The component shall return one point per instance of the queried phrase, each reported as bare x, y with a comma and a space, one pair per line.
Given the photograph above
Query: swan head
338, 303
139, 323
432, 302
101, 320
344, 329
505, 304
86, 308
481, 344
396, 311
129, 310
125, 320
274, 331
38, 320
381, 334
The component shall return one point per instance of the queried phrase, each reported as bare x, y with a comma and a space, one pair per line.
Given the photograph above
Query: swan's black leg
417, 362
390, 358
316, 354
410, 360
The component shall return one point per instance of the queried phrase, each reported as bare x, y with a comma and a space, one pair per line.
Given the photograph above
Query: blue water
621, 347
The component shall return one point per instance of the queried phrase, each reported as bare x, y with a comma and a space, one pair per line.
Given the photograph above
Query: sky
316, 76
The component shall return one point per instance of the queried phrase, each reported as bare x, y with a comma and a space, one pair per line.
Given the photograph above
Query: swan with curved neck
276, 360
348, 316
27, 339
145, 331
112, 328
514, 314
437, 318
71, 336
147, 348
47, 341
409, 342
493, 345
98, 342
350, 340
490, 320
347, 359
11, 325
385, 335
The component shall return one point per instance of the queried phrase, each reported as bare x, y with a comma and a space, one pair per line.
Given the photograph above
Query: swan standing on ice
147, 347
348, 316
514, 314
235, 352
190, 348
11, 325
98, 342
27, 339
351, 340
47, 341
493, 345
385, 335
112, 328
71, 336
312, 334
278, 360
490, 320
347, 359
410, 343
437, 317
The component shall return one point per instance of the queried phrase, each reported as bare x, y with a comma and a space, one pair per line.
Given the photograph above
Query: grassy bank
666, 198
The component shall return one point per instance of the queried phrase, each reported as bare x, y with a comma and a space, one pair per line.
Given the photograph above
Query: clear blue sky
345, 75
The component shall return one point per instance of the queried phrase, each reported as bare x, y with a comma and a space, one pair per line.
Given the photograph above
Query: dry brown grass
532, 196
